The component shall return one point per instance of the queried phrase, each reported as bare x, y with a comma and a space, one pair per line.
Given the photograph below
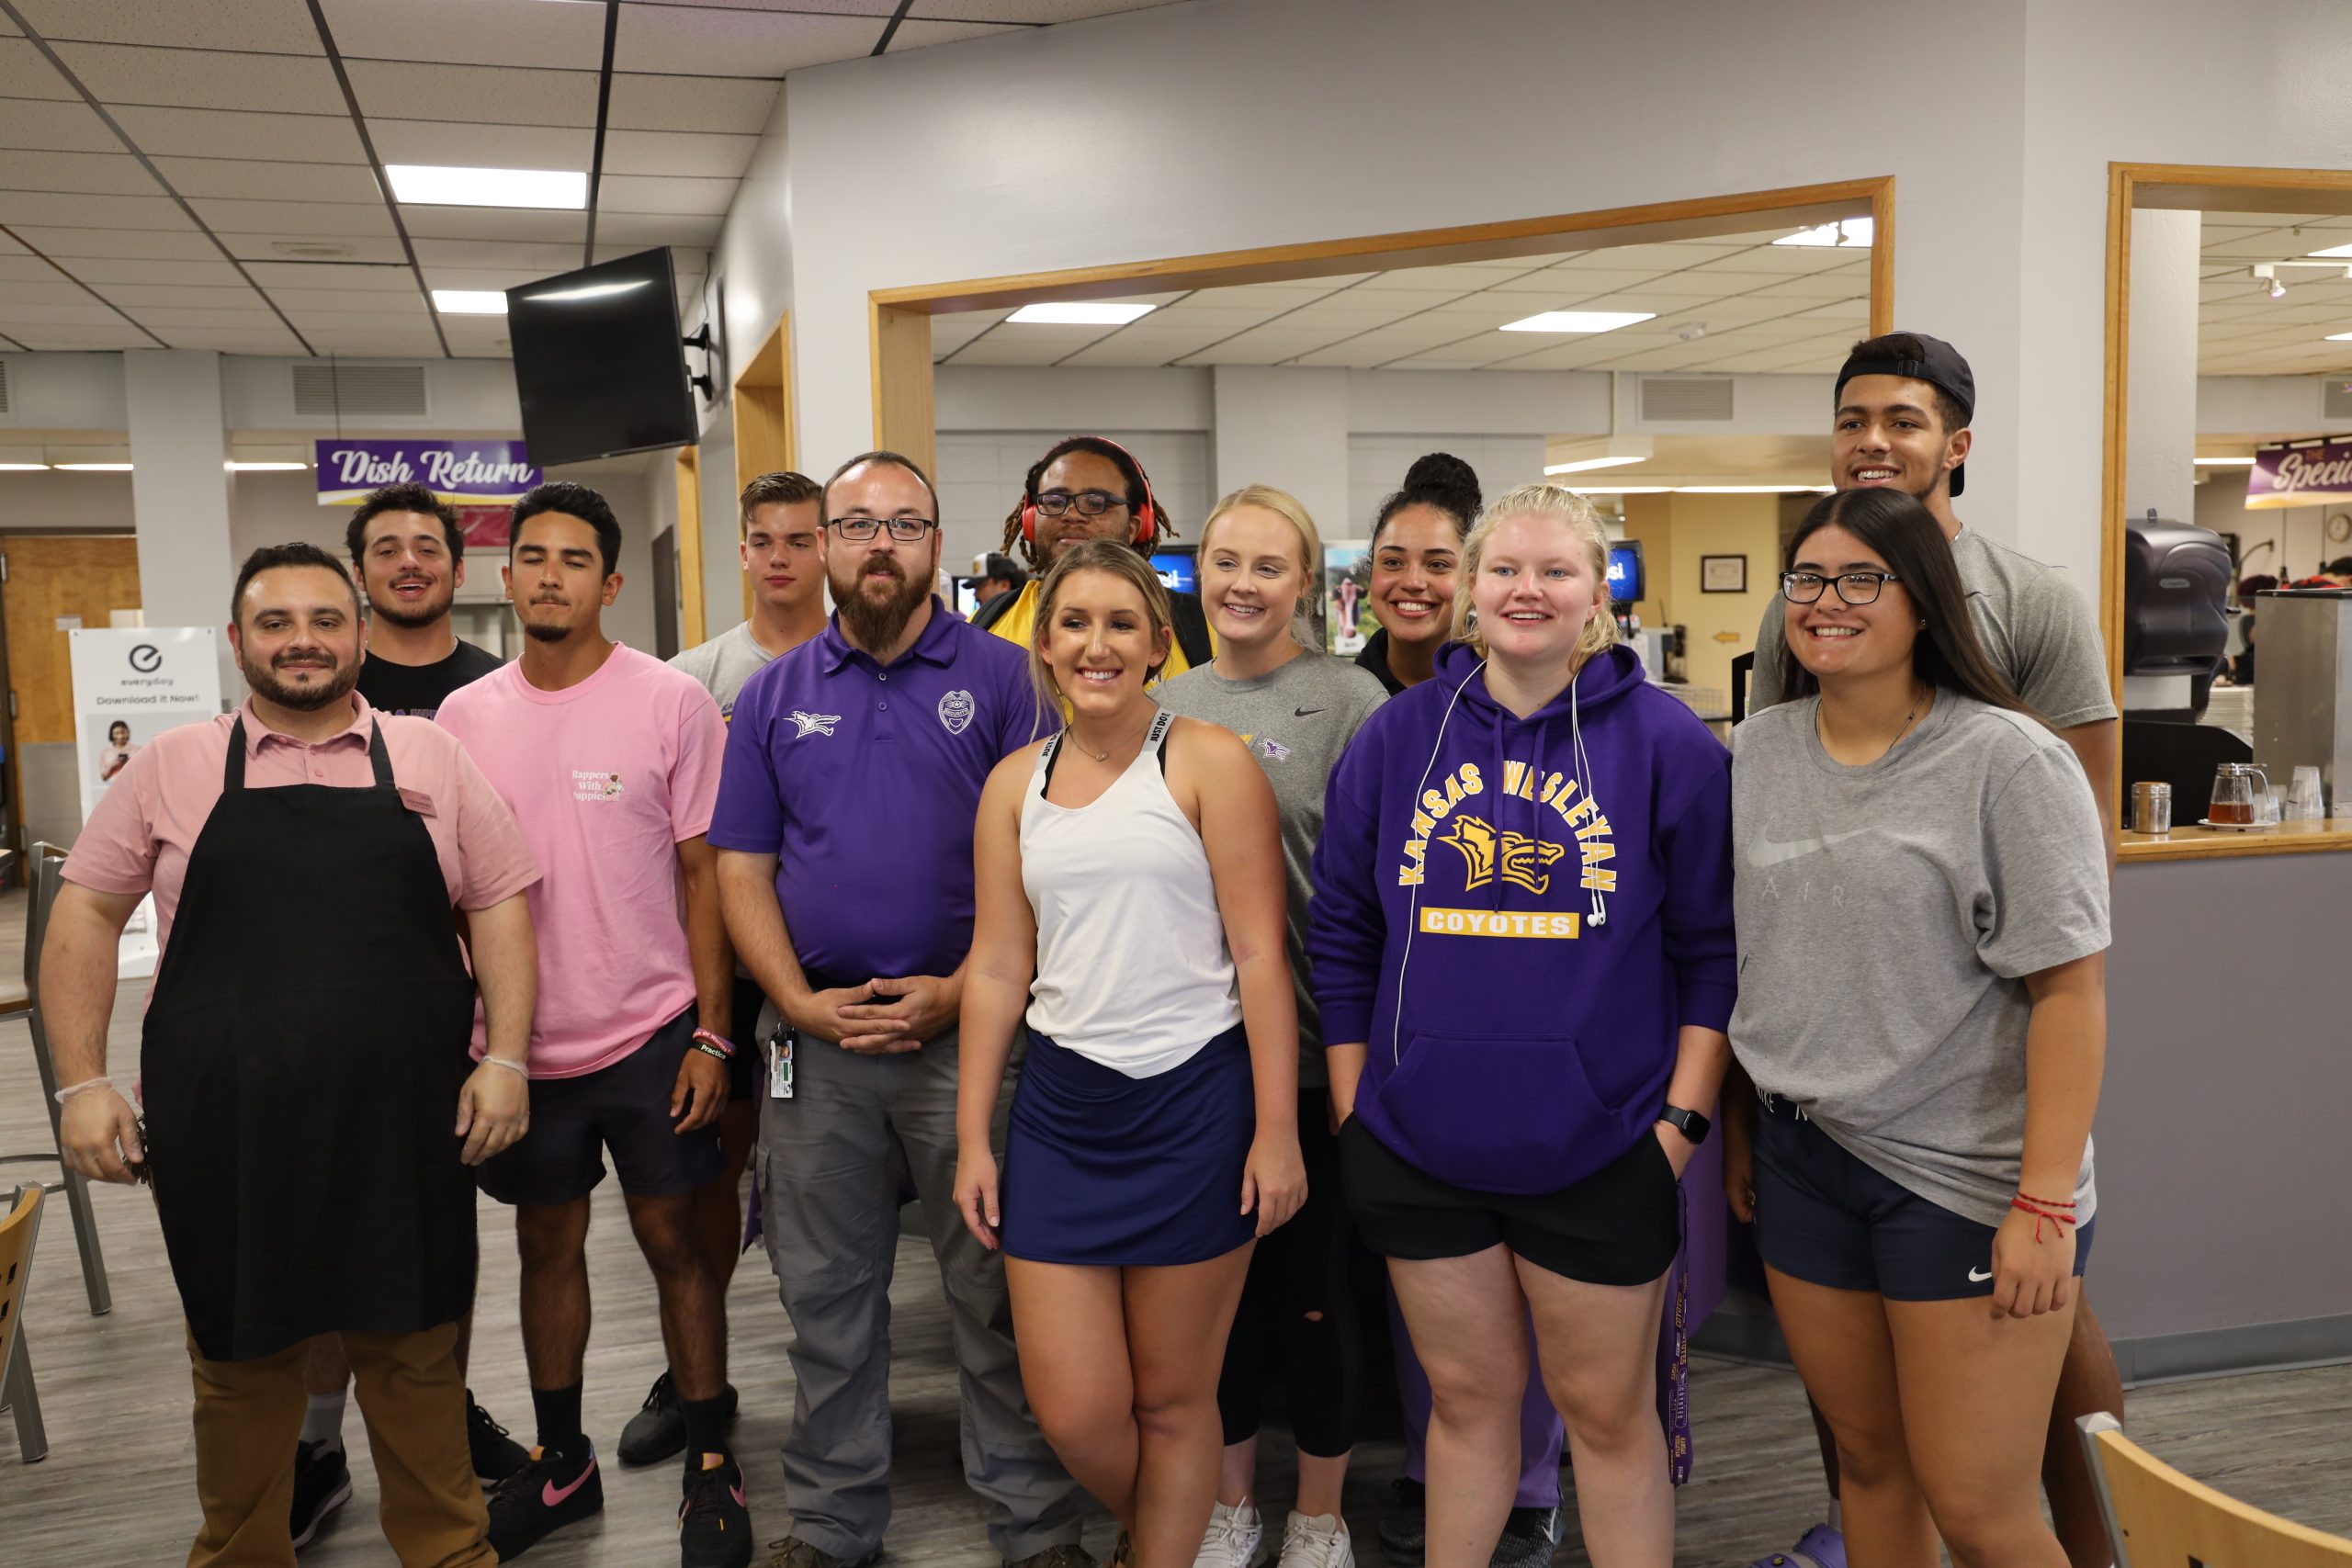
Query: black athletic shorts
1621, 1226
743, 1073
625, 1107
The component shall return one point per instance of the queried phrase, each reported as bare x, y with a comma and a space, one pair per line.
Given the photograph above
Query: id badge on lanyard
777, 1051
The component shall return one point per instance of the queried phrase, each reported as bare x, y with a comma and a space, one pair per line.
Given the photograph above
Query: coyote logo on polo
955, 711
808, 724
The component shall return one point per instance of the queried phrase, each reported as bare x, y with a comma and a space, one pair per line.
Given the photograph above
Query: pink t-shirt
139, 838
607, 778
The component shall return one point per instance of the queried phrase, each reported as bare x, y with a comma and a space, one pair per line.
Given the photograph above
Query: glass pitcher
2241, 794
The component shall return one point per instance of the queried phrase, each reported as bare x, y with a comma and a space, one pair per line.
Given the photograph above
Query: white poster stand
130, 684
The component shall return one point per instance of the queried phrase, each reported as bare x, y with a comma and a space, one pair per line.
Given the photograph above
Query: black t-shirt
1371, 656
421, 689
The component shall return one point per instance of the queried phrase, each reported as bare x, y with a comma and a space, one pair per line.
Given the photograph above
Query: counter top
2193, 842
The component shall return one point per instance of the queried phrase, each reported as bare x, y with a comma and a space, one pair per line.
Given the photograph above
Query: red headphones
1146, 515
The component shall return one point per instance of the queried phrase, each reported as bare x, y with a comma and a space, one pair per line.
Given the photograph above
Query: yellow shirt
1018, 626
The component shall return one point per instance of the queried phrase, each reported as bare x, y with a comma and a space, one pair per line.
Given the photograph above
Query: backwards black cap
1937, 364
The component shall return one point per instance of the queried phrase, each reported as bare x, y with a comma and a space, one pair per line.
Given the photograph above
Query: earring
1923, 623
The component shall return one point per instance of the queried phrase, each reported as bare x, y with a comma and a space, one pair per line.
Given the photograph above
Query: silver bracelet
71, 1089
488, 1060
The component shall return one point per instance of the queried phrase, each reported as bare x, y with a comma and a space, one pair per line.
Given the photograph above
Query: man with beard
1903, 406
300, 1094
610, 760
410, 555
854, 765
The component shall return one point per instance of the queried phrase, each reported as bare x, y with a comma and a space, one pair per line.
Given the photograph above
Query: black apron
303, 1053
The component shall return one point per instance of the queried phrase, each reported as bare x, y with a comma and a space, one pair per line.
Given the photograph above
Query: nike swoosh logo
1977, 1277
553, 1496
1764, 852
1301, 713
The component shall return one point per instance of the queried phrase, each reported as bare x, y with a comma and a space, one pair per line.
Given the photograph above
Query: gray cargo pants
829, 1198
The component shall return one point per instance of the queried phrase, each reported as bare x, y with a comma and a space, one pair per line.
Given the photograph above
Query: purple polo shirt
864, 782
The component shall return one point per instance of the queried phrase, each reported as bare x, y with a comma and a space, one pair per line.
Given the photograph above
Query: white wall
1376, 466
2161, 407
981, 473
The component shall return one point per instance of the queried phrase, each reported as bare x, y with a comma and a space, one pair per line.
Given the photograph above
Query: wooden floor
117, 1489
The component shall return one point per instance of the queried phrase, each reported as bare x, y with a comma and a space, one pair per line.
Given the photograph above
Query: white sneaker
1319, 1541
1233, 1536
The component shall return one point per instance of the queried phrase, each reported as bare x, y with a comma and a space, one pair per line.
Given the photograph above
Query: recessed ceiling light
2231, 462
1583, 465
1578, 320
24, 468
1846, 233
469, 301
2340, 337
1742, 489
238, 468
1619, 490
94, 467
1080, 313
433, 184
2332, 251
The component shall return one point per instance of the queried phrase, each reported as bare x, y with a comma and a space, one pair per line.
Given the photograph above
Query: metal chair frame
16, 1391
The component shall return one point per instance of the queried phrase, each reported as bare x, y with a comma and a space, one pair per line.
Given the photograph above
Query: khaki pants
249, 1417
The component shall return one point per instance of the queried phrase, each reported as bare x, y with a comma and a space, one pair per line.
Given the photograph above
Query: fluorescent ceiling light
2231, 462
469, 301
1588, 463
1846, 234
2332, 251
95, 468
23, 467
1080, 313
1743, 490
2340, 337
430, 184
1578, 320
1619, 490
585, 291
241, 467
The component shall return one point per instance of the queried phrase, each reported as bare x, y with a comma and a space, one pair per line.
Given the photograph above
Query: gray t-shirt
724, 663
1296, 721
1888, 914
2036, 629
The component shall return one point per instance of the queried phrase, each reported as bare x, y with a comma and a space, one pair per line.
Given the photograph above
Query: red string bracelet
2040, 1209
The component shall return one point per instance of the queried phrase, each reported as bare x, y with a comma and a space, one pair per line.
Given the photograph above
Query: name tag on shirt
417, 800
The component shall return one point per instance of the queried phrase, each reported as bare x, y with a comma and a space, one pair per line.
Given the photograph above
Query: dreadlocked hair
1119, 458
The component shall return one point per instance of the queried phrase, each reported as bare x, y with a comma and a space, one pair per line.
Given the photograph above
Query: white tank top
1133, 971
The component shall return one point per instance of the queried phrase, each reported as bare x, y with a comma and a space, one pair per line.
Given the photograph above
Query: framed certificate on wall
1722, 574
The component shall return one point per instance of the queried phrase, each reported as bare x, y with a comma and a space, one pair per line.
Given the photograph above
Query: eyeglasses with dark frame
1853, 586
861, 530
1090, 502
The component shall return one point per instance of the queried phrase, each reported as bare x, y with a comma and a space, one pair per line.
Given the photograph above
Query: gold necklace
1103, 755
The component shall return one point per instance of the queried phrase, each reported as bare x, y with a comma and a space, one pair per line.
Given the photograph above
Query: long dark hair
1119, 459
1893, 526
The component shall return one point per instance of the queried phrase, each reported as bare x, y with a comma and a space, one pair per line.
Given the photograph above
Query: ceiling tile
111, 334
674, 153
268, 336
338, 277
415, 90
915, 34
54, 125
470, 145
495, 223
278, 245
228, 133
204, 78
253, 180
249, 312
19, 295
480, 33
88, 312
90, 172
540, 259
661, 103
665, 194
1030, 11
19, 208
882, 8
25, 75
101, 271
309, 305
273, 26
140, 297
737, 43
643, 230
330, 218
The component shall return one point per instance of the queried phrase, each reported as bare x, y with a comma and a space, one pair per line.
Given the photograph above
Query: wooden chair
19, 1231
2157, 1517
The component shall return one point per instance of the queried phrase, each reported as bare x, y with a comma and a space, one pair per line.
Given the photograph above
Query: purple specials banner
481, 472
2300, 473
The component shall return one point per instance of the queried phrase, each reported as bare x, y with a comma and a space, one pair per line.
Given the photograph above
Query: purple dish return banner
459, 471
2300, 473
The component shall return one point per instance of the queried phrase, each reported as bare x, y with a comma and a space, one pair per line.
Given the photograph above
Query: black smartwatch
1690, 1123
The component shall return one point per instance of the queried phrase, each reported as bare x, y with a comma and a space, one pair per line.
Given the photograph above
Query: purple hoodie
1517, 926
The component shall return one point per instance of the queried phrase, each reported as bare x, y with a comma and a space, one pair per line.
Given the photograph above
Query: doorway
50, 584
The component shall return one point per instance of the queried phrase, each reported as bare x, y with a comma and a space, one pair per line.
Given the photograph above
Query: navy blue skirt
1110, 1171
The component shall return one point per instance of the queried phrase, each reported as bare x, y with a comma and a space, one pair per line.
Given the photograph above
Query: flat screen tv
598, 363
1625, 578
1179, 572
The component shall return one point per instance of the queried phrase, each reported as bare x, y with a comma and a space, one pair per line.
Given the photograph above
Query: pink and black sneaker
552, 1491
714, 1522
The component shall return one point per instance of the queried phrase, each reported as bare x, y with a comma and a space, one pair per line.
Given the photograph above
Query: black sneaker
714, 1523
1403, 1530
550, 1492
657, 1430
1528, 1538
497, 1455
322, 1484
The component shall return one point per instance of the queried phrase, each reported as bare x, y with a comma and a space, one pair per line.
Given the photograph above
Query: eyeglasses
1090, 502
904, 530
1853, 586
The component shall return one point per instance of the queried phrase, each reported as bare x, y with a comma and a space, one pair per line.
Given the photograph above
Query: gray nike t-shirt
1888, 914
2036, 629
1295, 721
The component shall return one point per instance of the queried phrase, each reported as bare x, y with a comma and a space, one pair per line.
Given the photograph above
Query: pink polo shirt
139, 838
